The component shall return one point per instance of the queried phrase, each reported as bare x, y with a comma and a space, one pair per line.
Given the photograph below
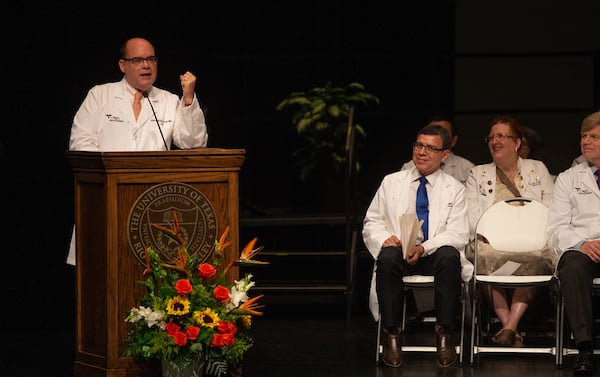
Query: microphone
145, 94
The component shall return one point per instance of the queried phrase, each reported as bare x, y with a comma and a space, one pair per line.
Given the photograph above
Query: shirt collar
131, 90
431, 178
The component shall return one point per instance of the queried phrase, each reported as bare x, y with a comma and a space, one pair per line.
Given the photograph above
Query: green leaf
320, 117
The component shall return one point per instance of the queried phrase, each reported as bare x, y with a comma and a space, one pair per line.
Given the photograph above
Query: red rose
221, 293
222, 328
206, 270
217, 341
183, 286
192, 332
228, 339
226, 328
180, 338
172, 328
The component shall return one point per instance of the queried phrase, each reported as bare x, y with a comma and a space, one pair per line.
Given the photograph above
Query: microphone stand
145, 94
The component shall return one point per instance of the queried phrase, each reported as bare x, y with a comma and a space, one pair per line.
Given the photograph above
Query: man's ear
445, 154
122, 65
454, 140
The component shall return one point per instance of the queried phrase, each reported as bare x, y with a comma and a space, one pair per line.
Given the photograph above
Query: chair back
515, 225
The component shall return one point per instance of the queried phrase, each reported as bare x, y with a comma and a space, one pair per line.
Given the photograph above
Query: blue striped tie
423, 206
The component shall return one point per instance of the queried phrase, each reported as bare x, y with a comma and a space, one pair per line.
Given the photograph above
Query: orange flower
172, 233
221, 245
249, 307
250, 252
180, 263
148, 265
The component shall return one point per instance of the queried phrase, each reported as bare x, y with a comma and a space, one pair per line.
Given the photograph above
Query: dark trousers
444, 265
575, 272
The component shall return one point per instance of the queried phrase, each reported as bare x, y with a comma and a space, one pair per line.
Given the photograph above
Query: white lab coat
574, 214
447, 218
105, 121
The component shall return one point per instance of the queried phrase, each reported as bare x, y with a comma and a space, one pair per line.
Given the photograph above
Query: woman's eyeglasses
500, 137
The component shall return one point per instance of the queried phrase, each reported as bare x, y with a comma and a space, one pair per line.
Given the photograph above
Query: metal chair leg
377, 354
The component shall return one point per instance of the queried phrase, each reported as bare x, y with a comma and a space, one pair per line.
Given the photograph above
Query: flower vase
194, 369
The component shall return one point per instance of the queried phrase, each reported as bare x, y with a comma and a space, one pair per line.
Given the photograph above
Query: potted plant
323, 118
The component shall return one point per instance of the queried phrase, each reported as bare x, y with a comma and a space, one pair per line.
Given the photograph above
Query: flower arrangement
190, 312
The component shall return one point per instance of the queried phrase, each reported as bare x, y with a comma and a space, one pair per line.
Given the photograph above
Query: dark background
247, 58
534, 60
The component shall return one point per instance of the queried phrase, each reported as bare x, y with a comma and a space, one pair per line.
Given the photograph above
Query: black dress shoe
584, 364
392, 349
446, 348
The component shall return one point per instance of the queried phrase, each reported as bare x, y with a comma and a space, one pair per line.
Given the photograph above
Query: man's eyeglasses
428, 148
139, 61
500, 137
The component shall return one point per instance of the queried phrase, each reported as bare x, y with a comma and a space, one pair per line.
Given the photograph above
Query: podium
107, 187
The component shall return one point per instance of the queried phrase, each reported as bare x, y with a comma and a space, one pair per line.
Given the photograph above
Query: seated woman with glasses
508, 176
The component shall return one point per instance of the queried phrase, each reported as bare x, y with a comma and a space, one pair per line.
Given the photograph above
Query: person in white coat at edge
440, 255
574, 229
107, 121
508, 176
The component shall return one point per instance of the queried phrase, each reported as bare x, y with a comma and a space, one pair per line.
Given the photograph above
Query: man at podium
134, 115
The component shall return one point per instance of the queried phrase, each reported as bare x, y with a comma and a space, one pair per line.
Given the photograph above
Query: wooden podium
107, 185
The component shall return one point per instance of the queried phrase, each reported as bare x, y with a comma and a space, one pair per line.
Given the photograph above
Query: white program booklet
409, 230
506, 269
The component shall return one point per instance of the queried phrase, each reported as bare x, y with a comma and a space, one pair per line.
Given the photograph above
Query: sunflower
207, 318
178, 306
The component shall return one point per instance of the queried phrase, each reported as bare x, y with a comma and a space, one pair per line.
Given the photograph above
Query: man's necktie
137, 104
597, 174
423, 206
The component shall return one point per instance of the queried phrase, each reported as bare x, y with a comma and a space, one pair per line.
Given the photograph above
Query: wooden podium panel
107, 185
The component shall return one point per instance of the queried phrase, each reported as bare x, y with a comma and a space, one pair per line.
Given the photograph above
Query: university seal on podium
195, 214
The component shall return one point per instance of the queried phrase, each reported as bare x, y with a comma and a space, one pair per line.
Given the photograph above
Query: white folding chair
513, 225
417, 282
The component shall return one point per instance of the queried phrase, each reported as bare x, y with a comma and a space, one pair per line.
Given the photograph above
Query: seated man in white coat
438, 200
